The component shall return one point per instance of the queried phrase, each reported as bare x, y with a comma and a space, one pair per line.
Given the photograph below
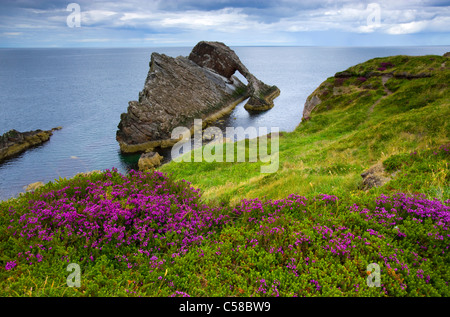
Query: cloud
12, 33
253, 22
437, 24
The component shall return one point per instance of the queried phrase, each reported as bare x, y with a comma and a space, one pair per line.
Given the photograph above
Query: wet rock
14, 142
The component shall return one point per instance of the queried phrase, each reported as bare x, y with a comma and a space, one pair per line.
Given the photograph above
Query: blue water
85, 91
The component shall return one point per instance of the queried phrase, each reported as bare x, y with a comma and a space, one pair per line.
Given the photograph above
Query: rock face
224, 61
311, 102
179, 90
14, 142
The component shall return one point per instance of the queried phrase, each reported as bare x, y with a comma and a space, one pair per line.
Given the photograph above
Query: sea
85, 90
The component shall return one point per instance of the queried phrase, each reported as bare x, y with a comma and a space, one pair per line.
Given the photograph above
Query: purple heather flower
10, 265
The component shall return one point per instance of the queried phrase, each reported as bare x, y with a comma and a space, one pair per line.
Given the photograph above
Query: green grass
350, 130
403, 125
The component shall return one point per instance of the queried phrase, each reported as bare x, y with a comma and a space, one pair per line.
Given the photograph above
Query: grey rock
14, 142
179, 90
375, 176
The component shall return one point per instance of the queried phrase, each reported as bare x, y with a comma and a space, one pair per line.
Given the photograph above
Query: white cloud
96, 16
437, 24
407, 28
101, 20
93, 40
12, 33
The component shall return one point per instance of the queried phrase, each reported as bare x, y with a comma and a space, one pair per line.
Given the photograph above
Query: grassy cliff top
367, 113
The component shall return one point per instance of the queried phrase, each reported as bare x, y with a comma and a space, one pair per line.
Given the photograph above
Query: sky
164, 23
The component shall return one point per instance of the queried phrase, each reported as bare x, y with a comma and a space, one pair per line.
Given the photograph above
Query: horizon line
186, 46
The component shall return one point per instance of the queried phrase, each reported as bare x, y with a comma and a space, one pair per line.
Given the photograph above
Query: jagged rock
14, 142
149, 160
375, 176
179, 90
33, 186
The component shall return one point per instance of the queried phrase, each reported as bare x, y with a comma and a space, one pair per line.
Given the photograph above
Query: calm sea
86, 90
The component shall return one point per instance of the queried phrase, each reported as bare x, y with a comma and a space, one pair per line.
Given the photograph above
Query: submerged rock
179, 90
14, 142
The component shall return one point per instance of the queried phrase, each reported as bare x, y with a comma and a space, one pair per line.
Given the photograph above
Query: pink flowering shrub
144, 234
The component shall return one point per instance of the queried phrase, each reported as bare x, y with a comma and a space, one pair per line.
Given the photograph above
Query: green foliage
280, 244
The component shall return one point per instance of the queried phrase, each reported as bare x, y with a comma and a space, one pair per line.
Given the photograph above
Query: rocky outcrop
33, 186
224, 61
89, 174
375, 176
149, 160
311, 102
179, 90
14, 142
399, 75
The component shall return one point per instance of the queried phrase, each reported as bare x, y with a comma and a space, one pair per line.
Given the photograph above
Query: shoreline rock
33, 186
13, 142
149, 160
179, 90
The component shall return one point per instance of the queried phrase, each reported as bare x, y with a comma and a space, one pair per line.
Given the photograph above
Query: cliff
179, 90
379, 77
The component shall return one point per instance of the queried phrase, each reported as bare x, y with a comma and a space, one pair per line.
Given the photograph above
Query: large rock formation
224, 61
179, 90
14, 142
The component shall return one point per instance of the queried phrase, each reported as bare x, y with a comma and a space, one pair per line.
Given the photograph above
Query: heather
225, 229
144, 234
